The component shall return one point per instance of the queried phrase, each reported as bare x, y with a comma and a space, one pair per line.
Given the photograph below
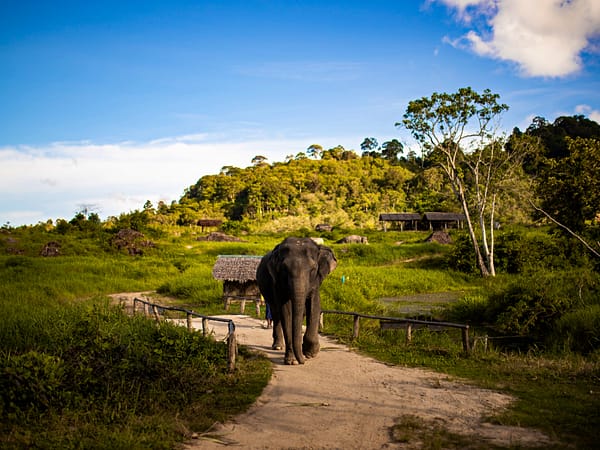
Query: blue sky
108, 104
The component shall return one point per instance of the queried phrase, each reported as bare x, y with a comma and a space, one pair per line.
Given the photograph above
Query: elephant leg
310, 342
286, 326
277, 335
277, 329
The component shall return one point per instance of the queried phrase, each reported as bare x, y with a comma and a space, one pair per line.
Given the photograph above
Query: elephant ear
327, 262
274, 260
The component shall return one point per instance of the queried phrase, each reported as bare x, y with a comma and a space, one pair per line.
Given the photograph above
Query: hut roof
443, 216
236, 267
399, 217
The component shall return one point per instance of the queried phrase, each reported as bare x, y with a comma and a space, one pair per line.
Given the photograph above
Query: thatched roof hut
238, 273
239, 268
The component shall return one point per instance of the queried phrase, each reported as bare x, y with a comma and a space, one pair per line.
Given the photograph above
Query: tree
259, 160
391, 149
369, 147
459, 133
314, 151
570, 189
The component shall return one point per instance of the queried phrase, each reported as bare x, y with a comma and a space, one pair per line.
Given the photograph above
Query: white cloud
53, 181
586, 110
545, 38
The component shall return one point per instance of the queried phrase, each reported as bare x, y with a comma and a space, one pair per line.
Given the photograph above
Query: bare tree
459, 133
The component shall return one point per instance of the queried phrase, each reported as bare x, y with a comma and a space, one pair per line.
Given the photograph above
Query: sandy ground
341, 399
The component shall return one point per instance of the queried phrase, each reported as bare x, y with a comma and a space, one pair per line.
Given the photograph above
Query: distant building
402, 220
427, 221
443, 220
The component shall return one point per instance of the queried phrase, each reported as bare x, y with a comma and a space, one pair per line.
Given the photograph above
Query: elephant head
289, 278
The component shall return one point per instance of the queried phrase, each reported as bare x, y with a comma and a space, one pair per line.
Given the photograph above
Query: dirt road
345, 400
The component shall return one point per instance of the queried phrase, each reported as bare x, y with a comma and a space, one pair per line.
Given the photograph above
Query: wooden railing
389, 323
155, 310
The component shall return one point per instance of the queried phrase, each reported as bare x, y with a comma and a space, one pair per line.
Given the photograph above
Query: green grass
53, 309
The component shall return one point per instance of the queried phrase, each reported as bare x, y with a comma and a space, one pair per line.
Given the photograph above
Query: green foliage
90, 363
520, 250
545, 306
578, 330
571, 188
305, 188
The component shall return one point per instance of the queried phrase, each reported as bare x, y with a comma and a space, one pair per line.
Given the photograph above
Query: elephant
289, 278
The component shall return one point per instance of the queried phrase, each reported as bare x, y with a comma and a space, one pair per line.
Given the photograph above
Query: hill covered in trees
344, 188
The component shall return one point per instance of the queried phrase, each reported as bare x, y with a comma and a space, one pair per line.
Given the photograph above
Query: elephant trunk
298, 311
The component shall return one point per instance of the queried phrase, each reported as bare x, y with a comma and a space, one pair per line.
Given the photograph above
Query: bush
520, 252
578, 330
29, 382
469, 309
530, 305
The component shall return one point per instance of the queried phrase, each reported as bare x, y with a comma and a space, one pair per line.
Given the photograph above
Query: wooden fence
155, 310
390, 323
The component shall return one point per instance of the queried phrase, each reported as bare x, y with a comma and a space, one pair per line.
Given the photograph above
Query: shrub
520, 252
469, 309
578, 330
530, 305
29, 382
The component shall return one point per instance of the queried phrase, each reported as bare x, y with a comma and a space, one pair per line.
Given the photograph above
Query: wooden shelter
209, 223
443, 220
238, 273
403, 219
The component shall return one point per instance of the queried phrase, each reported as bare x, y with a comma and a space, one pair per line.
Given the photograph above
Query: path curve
342, 399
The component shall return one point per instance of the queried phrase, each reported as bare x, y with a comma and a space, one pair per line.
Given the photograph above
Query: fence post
408, 333
465, 339
356, 326
231, 347
190, 325
133, 308
321, 322
204, 326
155, 311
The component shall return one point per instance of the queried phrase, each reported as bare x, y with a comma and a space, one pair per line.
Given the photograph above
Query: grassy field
94, 377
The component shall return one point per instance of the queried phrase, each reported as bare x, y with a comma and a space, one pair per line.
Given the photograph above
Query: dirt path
345, 400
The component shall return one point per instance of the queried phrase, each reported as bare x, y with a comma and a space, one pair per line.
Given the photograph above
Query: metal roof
399, 217
443, 216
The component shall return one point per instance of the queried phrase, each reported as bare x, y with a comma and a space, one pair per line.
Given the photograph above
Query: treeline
349, 189
341, 187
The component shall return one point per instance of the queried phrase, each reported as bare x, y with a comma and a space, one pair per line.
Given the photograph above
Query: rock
217, 236
353, 239
441, 237
51, 249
